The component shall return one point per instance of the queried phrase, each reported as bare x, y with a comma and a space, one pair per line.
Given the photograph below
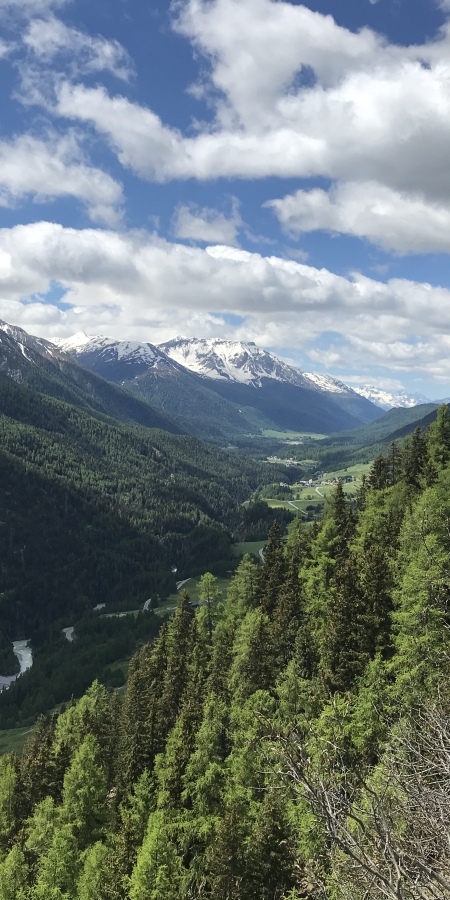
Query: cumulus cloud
45, 169
50, 38
294, 94
207, 225
402, 222
139, 286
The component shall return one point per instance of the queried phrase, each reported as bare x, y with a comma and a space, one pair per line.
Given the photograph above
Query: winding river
24, 654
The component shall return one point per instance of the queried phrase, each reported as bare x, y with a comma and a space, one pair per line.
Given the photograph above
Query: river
24, 654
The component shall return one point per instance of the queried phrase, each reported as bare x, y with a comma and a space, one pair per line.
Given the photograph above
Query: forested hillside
290, 742
92, 511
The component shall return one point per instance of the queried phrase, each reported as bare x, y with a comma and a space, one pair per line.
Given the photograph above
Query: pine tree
140, 730
39, 775
84, 794
379, 474
273, 572
438, 443
414, 452
209, 593
91, 881
8, 797
158, 873
59, 868
289, 611
179, 637
14, 875
243, 591
253, 666
271, 852
344, 644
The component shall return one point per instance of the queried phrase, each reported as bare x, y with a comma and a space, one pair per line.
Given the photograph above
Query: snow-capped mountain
28, 341
390, 399
115, 360
244, 363
219, 387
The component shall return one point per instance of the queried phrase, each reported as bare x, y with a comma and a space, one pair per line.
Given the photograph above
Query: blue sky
244, 169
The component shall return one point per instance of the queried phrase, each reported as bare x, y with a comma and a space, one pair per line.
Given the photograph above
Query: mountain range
386, 399
220, 390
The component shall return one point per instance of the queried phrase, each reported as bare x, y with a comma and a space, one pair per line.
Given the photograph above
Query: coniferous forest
290, 741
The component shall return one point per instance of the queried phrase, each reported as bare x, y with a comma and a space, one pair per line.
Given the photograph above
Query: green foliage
94, 511
258, 738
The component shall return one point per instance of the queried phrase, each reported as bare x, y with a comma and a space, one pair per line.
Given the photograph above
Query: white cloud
55, 168
139, 286
207, 225
30, 7
49, 38
401, 222
376, 114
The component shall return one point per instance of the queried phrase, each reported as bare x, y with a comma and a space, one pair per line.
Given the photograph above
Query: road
297, 508
319, 493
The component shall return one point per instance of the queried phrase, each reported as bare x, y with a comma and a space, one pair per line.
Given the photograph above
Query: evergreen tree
91, 881
345, 638
438, 443
158, 873
84, 793
379, 474
243, 591
414, 453
179, 637
140, 729
8, 797
39, 773
273, 572
289, 612
208, 593
59, 868
253, 665
13, 875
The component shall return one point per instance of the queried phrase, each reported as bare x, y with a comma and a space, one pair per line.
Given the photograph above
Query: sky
243, 169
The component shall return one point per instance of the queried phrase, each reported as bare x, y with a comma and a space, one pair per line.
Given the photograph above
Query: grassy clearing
357, 471
293, 435
13, 739
248, 547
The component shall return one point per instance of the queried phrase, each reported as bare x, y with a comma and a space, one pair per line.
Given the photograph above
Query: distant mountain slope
222, 390
364, 444
95, 511
148, 373
390, 399
383, 428
43, 367
301, 401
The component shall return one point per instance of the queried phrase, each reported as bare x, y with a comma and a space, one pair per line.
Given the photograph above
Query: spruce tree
84, 794
243, 591
273, 572
379, 474
253, 666
438, 443
289, 611
179, 637
140, 730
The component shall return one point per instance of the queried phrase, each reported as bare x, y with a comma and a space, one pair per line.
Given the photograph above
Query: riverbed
24, 654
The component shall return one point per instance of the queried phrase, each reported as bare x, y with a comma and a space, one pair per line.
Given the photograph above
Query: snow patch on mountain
390, 399
327, 383
82, 344
28, 341
245, 363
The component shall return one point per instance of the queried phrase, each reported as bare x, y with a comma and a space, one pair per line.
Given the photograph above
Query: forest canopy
292, 741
